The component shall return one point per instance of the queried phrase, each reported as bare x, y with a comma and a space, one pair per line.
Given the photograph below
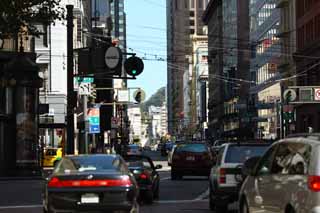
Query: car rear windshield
191, 148
88, 163
239, 154
51, 152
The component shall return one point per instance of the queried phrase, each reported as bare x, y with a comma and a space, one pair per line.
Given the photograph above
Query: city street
187, 195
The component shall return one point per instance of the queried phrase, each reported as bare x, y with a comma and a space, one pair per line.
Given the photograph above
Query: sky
146, 36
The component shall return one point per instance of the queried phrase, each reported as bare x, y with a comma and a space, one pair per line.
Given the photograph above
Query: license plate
89, 198
190, 158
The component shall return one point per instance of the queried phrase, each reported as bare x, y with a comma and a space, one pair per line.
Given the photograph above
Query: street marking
178, 201
203, 195
166, 178
21, 207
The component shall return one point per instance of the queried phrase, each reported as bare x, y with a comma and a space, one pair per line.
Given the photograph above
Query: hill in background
156, 99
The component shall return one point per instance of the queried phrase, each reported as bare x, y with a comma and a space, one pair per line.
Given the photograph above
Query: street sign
85, 89
123, 95
84, 79
94, 120
317, 94
113, 57
94, 129
290, 95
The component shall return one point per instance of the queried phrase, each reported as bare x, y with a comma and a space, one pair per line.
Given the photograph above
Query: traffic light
138, 97
133, 66
93, 91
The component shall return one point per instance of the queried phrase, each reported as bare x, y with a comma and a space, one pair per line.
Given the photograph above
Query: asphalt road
187, 195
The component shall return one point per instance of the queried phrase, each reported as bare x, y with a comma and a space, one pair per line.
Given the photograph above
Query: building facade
213, 19
183, 20
266, 52
134, 115
306, 58
229, 60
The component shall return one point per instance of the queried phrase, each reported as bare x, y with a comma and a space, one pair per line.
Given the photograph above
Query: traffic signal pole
70, 107
85, 118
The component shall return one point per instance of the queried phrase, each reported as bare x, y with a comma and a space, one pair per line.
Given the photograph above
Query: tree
23, 16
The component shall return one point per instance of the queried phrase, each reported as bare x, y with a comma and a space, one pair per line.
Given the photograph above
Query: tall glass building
265, 53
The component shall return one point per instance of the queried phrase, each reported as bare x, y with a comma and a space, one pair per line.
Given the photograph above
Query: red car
193, 159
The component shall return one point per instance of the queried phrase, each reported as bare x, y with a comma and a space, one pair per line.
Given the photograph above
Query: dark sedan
91, 183
191, 158
146, 175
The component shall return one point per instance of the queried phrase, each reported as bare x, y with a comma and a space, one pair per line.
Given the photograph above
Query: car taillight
144, 176
57, 183
314, 183
222, 175
54, 183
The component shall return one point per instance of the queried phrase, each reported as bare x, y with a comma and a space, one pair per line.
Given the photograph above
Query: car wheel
149, 197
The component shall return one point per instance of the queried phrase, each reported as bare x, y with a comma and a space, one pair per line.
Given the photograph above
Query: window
291, 158
264, 166
192, 4
239, 154
191, 148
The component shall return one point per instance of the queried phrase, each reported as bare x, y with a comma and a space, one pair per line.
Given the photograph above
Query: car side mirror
249, 166
159, 166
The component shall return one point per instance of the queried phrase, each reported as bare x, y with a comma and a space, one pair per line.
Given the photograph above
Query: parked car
226, 175
146, 175
51, 156
191, 158
285, 179
134, 149
91, 183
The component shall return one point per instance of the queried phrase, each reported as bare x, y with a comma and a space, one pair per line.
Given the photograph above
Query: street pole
70, 108
85, 118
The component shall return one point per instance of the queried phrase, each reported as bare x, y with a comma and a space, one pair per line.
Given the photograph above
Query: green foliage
156, 99
22, 16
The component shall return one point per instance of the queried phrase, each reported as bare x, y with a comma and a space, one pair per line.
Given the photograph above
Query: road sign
94, 129
84, 79
317, 94
123, 95
113, 57
94, 120
85, 89
290, 95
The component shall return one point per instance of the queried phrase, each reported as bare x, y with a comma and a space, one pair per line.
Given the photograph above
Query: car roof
82, 156
312, 136
135, 156
308, 140
246, 144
